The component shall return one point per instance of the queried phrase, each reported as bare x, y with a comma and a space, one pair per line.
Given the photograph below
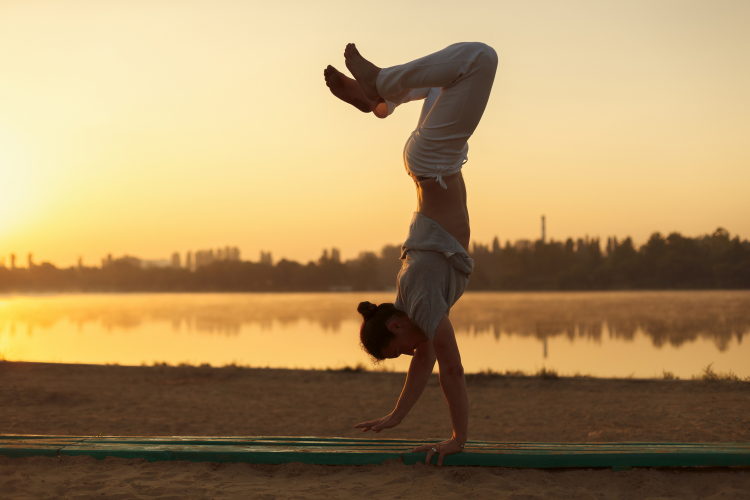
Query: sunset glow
145, 128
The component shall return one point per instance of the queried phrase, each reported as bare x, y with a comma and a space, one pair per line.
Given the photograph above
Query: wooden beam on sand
347, 451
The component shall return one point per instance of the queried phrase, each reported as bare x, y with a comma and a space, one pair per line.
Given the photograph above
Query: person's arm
454, 388
420, 370
452, 379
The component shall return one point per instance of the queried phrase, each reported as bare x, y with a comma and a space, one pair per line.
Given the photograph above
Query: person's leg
442, 135
440, 69
464, 72
429, 101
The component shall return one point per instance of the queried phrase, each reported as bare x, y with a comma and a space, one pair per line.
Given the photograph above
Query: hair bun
367, 309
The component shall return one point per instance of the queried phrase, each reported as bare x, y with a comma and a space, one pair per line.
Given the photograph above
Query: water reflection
665, 317
603, 334
672, 318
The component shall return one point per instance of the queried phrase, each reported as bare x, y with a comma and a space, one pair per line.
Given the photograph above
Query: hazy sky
152, 127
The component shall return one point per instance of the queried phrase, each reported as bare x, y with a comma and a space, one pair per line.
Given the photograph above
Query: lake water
604, 334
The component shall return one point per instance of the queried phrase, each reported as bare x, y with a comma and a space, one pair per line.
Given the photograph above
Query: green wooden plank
32, 446
359, 451
318, 442
29, 451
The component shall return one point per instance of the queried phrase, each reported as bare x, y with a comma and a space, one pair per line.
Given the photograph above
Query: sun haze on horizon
146, 128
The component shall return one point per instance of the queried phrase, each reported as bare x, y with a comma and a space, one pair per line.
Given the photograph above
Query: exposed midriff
447, 207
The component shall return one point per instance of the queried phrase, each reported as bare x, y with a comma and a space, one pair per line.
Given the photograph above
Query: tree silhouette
715, 261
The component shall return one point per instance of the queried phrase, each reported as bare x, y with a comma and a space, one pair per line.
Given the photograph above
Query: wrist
398, 415
459, 442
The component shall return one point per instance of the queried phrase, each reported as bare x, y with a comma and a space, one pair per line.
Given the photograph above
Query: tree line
713, 261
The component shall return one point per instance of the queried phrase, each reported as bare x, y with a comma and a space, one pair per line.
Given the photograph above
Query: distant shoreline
674, 262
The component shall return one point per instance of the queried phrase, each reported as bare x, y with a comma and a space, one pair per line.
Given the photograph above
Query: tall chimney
544, 236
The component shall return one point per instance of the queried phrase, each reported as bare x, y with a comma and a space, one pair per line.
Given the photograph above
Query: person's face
397, 347
407, 339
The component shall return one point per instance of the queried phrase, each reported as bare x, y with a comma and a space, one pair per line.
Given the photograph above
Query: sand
37, 398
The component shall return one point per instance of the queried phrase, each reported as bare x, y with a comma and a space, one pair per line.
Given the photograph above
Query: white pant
455, 83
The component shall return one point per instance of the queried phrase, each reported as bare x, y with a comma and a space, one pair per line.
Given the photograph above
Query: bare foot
348, 90
365, 72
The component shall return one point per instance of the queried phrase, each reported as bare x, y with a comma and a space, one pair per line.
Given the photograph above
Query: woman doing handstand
455, 84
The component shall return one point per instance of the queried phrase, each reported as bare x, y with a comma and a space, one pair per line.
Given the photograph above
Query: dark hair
374, 335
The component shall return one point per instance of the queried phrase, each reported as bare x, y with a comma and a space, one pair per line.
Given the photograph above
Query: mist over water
600, 333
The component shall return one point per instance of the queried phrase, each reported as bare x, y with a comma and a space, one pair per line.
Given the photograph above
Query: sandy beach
38, 398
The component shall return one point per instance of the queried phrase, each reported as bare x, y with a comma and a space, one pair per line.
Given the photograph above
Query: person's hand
445, 448
378, 425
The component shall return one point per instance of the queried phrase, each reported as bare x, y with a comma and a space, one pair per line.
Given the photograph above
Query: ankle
381, 109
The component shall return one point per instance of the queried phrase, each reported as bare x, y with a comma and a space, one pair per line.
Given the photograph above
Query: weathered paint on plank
358, 451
